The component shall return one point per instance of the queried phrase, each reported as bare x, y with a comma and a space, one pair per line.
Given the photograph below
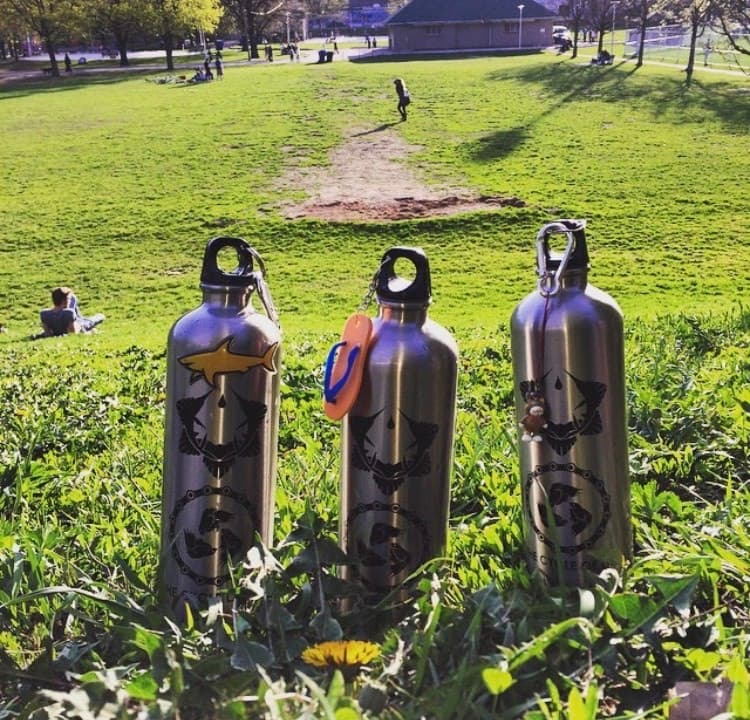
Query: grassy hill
113, 185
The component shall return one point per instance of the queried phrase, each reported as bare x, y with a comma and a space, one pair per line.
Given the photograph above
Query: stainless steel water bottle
569, 375
397, 448
221, 428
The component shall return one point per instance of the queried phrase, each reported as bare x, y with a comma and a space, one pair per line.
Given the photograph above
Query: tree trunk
642, 41
601, 43
52, 58
691, 57
574, 54
253, 38
168, 49
122, 47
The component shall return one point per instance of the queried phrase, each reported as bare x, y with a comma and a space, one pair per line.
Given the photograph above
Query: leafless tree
733, 17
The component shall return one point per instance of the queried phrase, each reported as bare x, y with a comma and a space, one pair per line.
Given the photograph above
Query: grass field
113, 185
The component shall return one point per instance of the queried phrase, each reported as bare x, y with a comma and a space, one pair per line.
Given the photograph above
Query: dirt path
367, 179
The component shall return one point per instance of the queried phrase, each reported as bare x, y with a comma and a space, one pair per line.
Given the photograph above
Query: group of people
292, 49
204, 74
65, 317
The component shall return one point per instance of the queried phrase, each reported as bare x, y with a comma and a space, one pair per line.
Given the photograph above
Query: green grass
113, 185
122, 182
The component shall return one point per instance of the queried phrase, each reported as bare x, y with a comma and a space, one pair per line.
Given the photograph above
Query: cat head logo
387, 474
581, 418
219, 456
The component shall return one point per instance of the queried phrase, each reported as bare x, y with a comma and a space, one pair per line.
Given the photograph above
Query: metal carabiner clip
549, 283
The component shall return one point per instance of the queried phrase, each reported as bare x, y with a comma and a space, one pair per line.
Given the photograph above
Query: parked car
560, 33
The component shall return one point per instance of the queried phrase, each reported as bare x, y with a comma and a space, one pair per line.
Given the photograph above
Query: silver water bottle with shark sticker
397, 447
569, 376
221, 430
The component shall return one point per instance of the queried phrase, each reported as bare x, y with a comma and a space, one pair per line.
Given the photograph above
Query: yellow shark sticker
222, 360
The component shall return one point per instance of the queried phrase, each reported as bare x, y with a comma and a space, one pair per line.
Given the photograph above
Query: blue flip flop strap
331, 391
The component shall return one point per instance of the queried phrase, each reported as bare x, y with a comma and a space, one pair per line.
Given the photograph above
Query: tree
11, 30
734, 18
574, 14
642, 10
52, 20
173, 19
698, 14
121, 18
321, 8
253, 18
597, 14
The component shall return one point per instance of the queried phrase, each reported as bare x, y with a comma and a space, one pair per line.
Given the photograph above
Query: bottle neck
416, 314
226, 297
574, 279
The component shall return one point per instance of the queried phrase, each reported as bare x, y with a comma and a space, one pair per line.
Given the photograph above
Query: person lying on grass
65, 316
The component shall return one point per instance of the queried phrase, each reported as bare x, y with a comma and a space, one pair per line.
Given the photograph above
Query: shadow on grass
25, 86
499, 144
379, 128
575, 81
624, 88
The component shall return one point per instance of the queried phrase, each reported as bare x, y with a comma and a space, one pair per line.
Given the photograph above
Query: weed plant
120, 207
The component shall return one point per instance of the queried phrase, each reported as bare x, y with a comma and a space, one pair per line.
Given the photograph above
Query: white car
560, 33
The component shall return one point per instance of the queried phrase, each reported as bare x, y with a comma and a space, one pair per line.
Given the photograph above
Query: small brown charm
534, 420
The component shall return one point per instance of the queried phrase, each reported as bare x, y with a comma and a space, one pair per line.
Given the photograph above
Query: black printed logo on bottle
563, 433
415, 459
568, 507
208, 526
389, 542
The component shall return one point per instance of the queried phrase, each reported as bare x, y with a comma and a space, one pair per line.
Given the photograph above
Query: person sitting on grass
65, 316
603, 58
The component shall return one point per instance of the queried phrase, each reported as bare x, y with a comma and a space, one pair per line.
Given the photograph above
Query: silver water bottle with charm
569, 374
397, 447
221, 427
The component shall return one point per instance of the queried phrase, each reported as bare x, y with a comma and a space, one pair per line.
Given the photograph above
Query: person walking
404, 98
219, 67
68, 64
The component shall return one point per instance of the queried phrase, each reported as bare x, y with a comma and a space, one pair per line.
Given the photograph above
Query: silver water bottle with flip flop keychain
221, 428
569, 374
393, 381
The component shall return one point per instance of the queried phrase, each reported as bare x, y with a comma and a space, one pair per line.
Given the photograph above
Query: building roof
448, 11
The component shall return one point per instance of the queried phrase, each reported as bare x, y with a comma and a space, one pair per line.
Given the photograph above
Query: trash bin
329, 56
219, 44
321, 56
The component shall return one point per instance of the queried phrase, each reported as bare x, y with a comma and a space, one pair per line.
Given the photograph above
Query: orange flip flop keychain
345, 365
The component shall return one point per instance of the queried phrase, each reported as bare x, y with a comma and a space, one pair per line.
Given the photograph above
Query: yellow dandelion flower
341, 654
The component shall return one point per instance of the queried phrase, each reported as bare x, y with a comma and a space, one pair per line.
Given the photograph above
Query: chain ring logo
379, 545
557, 506
213, 522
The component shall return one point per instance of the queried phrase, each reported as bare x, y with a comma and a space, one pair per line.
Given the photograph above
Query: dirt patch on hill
367, 179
